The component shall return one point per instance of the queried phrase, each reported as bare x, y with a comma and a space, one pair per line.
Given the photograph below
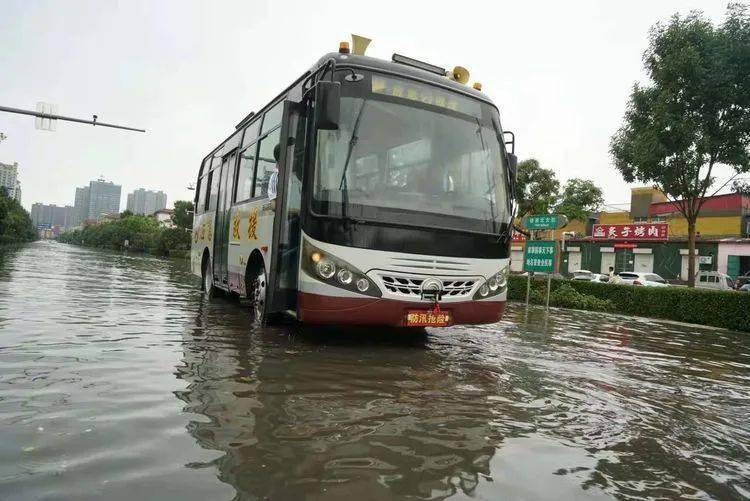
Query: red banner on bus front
636, 231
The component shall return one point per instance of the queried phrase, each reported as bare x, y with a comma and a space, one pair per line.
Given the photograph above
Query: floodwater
118, 380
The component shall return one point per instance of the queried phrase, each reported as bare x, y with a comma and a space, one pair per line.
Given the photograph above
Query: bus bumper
319, 309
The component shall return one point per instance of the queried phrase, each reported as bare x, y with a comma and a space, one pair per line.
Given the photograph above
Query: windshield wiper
343, 186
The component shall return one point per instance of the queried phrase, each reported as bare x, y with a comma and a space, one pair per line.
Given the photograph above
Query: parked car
745, 288
714, 280
639, 279
742, 280
589, 276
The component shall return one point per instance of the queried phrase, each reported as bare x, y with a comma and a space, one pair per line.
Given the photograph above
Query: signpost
545, 222
541, 255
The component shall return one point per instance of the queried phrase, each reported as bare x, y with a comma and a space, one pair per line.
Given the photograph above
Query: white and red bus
368, 192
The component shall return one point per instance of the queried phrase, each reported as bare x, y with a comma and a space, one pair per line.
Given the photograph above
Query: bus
369, 192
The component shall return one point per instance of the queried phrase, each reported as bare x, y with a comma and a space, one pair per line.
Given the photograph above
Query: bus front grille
411, 286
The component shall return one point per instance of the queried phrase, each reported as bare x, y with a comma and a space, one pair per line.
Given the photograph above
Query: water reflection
301, 412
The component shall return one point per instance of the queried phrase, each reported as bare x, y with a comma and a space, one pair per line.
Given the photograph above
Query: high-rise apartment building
143, 201
81, 206
47, 216
100, 198
9, 180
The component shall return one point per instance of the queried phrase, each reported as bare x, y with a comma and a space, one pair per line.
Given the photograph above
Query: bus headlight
345, 276
363, 284
325, 268
494, 285
334, 271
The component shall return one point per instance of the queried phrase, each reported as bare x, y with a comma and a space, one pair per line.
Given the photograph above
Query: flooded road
118, 380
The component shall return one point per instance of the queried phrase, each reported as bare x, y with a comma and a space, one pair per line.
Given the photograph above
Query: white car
639, 279
589, 276
714, 280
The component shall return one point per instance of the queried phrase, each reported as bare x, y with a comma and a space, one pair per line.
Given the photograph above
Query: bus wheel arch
205, 263
256, 280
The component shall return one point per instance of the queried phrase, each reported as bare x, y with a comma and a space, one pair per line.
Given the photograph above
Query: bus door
221, 235
282, 276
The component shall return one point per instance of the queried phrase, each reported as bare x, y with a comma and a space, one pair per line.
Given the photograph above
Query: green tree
579, 198
183, 214
694, 114
536, 189
126, 213
15, 223
741, 186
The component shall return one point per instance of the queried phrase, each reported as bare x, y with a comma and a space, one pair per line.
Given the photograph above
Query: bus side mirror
513, 166
327, 105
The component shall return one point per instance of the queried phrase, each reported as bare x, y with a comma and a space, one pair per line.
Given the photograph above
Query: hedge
727, 309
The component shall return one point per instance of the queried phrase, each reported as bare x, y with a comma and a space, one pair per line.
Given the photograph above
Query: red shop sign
625, 246
519, 237
636, 231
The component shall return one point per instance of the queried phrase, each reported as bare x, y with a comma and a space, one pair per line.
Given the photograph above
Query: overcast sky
188, 71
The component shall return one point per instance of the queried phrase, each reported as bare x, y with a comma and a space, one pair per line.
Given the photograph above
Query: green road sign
540, 256
545, 222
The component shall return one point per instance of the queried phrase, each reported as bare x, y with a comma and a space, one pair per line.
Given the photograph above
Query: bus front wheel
256, 287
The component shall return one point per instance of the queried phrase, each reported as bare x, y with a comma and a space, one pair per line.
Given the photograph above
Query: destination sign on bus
427, 94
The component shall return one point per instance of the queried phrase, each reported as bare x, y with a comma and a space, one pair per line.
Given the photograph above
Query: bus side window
198, 205
206, 201
245, 178
272, 118
213, 196
266, 162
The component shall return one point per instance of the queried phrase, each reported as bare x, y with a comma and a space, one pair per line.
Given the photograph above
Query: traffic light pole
50, 116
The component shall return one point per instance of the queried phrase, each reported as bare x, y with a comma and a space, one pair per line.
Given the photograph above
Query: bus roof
364, 62
376, 64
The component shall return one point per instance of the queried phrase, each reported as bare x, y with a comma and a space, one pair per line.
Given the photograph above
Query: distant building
9, 180
143, 201
164, 216
81, 206
96, 200
48, 216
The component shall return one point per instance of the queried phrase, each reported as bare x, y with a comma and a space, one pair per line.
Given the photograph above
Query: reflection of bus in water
368, 192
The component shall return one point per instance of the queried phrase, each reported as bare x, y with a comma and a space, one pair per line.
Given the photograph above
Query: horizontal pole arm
67, 119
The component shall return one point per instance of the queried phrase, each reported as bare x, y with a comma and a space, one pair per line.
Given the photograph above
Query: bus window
208, 191
245, 176
266, 163
273, 117
251, 133
198, 204
213, 194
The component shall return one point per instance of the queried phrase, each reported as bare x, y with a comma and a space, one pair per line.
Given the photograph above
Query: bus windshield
404, 162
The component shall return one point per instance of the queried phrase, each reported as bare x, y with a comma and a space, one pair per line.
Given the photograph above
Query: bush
726, 309
142, 233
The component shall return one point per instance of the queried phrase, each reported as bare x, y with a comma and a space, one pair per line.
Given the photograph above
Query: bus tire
255, 283
207, 282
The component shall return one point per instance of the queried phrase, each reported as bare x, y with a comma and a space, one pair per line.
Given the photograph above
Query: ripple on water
118, 380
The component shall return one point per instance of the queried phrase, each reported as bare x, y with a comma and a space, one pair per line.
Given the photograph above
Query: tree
126, 213
15, 223
579, 198
536, 188
183, 214
741, 186
694, 115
